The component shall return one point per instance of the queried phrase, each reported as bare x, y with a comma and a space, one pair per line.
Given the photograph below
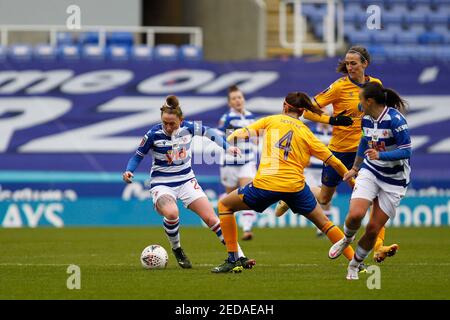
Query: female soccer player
382, 166
237, 172
343, 95
171, 176
288, 145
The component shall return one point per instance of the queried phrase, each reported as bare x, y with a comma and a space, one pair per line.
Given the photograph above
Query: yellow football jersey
343, 94
287, 146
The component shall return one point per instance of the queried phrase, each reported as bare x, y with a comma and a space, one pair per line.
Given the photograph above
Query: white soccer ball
154, 257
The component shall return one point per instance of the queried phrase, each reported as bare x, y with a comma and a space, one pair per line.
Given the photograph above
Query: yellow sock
229, 227
335, 234
380, 239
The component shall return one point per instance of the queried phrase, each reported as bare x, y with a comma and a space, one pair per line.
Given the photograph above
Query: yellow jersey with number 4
343, 94
287, 147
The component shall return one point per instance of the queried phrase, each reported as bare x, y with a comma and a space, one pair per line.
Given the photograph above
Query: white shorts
230, 175
368, 187
187, 192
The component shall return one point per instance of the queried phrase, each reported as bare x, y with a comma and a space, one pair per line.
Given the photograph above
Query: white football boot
339, 247
352, 273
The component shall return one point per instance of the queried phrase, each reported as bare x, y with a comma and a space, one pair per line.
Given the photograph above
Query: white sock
358, 258
349, 233
248, 218
172, 231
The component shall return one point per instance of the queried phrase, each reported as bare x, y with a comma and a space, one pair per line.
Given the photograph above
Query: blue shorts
330, 177
300, 202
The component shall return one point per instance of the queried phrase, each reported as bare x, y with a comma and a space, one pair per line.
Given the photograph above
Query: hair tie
354, 51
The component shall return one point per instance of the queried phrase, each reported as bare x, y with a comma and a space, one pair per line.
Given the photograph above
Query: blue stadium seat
120, 38
118, 52
141, 52
392, 17
415, 18
383, 37
44, 52
190, 53
422, 53
417, 28
318, 14
406, 38
442, 53
68, 52
398, 53
431, 38
377, 53
360, 37
394, 28
380, 3
165, 52
63, 38
93, 52
89, 38
20, 52
438, 18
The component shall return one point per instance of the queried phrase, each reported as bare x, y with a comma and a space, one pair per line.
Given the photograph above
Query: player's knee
356, 213
222, 208
167, 206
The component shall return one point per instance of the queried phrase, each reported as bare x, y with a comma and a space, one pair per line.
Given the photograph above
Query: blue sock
233, 256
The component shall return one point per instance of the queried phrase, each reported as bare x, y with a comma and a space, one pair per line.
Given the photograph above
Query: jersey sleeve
401, 132
145, 145
223, 123
327, 96
316, 147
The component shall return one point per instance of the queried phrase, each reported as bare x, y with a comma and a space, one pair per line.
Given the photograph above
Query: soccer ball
154, 257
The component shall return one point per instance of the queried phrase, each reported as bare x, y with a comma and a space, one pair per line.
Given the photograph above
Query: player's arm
362, 149
250, 131
215, 136
136, 159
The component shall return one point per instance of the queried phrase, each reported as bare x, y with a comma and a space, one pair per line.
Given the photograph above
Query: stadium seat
431, 38
437, 18
406, 38
63, 38
165, 52
44, 52
392, 17
394, 28
318, 13
377, 53
398, 53
360, 37
190, 53
120, 39
93, 52
89, 38
118, 52
383, 37
442, 53
415, 18
20, 52
68, 52
141, 52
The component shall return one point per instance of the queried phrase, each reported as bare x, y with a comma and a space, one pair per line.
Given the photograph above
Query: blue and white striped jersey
171, 155
231, 121
390, 137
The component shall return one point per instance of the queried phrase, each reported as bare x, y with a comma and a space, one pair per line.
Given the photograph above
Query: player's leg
377, 221
304, 202
203, 208
248, 217
227, 206
165, 202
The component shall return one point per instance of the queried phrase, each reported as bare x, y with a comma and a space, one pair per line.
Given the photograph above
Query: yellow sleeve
323, 118
251, 130
317, 148
327, 96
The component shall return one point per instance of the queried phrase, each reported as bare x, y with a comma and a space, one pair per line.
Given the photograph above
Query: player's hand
372, 154
349, 176
127, 176
234, 151
341, 120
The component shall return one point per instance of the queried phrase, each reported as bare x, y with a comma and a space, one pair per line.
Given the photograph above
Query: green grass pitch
291, 264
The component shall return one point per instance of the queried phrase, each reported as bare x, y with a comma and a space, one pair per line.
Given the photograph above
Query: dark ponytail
172, 106
297, 101
384, 96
